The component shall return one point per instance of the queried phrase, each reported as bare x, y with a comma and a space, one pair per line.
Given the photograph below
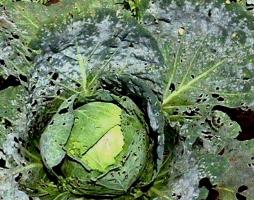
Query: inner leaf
103, 154
92, 122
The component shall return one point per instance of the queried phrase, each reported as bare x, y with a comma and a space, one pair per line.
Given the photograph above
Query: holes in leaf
10, 81
245, 118
69, 100
175, 112
50, 2
6, 123
214, 122
220, 99
49, 58
15, 36
2, 62
29, 58
17, 178
242, 188
206, 132
221, 152
209, 13
240, 196
215, 95
131, 45
64, 110
2, 163
164, 19
176, 196
23, 78
208, 137
246, 78
213, 194
16, 140
78, 84
58, 92
205, 182
233, 1
29, 50
198, 144
250, 164
190, 113
35, 191
199, 100
172, 87
55, 76
52, 83
34, 103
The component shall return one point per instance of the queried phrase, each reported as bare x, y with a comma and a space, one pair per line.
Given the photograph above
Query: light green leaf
103, 153
91, 124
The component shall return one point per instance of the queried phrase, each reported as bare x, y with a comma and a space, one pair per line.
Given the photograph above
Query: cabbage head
100, 146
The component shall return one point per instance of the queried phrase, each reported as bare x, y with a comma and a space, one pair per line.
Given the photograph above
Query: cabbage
100, 146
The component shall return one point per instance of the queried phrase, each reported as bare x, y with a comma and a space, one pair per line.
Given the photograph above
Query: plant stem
189, 84
31, 155
83, 67
101, 69
191, 63
174, 71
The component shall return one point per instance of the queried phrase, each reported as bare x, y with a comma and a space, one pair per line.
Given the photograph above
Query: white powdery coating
10, 148
9, 187
104, 29
195, 22
187, 186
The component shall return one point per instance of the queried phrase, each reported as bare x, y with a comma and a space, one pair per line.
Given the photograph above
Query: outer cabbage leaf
32, 23
56, 135
12, 112
209, 64
12, 129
